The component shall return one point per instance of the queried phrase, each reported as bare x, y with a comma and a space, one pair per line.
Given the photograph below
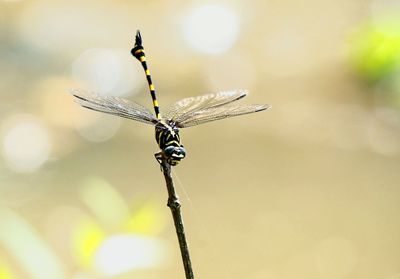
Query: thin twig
175, 206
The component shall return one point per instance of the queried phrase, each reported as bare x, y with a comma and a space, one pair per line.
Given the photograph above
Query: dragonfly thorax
167, 137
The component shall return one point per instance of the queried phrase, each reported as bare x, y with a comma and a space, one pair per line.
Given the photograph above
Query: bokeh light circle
26, 143
107, 71
121, 253
211, 29
98, 127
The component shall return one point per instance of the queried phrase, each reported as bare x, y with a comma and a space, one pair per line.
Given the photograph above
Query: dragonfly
185, 113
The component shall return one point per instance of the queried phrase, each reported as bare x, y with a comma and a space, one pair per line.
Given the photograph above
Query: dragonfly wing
185, 108
115, 106
217, 113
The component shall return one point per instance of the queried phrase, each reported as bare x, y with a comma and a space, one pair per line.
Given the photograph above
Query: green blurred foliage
375, 50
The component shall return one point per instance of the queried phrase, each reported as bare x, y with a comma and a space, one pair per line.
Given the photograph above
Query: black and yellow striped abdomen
138, 52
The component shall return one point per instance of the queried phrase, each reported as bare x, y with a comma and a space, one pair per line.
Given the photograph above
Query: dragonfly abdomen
138, 52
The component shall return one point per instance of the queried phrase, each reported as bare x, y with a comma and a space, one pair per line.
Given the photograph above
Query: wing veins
218, 113
115, 106
184, 108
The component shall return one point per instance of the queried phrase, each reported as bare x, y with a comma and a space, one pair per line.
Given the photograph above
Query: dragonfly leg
159, 157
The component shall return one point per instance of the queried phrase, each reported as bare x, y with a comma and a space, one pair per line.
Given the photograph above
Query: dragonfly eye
177, 153
182, 151
169, 150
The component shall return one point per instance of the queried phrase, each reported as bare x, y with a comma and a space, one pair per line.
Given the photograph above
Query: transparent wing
114, 105
217, 113
182, 110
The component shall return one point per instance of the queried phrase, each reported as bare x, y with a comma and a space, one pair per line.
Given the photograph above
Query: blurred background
308, 189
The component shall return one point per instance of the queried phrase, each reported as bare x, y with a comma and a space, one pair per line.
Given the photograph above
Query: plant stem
175, 206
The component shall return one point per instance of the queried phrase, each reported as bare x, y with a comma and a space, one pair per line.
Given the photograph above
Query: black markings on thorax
167, 135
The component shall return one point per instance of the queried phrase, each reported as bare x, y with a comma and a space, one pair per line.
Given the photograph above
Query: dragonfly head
174, 154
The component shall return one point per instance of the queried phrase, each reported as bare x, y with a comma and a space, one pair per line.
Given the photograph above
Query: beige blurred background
308, 189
